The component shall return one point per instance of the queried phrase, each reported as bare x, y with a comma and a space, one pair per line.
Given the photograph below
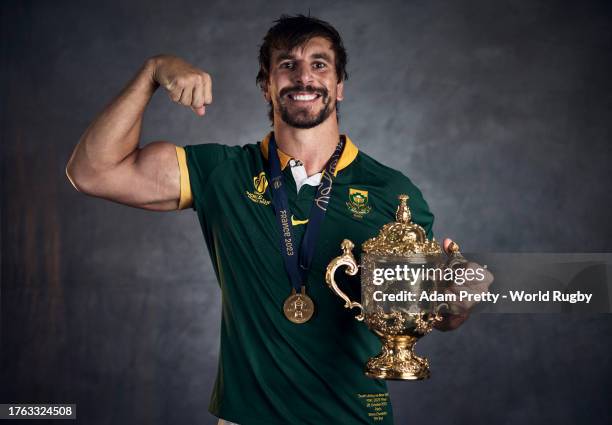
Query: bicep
148, 178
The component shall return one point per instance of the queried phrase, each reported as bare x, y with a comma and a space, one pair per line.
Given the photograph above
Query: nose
303, 73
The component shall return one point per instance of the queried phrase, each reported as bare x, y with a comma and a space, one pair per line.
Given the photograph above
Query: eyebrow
323, 56
288, 56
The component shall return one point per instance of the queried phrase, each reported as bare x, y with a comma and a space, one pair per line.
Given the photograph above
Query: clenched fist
185, 84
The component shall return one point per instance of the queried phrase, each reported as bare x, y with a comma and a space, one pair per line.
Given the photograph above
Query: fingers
197, 100
186, 96
207, 89
446, 244
174, 93
200, 111
193, 90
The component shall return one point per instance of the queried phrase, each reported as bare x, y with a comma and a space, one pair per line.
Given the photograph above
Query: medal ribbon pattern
297, 269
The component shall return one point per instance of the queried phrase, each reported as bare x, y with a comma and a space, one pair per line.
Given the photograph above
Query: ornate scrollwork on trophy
398, 361
386, 323
394, 323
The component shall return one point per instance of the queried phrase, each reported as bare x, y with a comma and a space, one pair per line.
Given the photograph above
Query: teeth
304, 96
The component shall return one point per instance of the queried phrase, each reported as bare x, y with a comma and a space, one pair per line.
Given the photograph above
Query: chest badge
260, 183
358, 202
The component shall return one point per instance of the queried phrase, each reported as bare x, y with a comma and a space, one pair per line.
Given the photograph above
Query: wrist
150, 68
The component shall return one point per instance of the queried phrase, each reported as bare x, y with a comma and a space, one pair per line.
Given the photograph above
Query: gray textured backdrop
500, 111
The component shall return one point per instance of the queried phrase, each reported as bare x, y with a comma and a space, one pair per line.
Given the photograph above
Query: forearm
115, 132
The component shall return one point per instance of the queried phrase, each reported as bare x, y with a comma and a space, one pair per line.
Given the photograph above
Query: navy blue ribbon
298, 264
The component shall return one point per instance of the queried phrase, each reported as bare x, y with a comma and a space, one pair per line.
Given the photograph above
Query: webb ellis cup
398, 324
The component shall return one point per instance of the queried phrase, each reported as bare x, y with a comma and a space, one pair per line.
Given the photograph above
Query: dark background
500, 111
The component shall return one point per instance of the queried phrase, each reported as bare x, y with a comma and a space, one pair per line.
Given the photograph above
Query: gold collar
348, 154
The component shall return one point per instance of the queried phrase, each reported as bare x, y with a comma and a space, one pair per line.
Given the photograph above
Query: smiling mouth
303, 97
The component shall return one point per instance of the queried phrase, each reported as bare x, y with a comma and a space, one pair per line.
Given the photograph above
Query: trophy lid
402, 237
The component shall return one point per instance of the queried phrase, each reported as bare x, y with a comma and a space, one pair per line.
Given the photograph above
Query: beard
304, 117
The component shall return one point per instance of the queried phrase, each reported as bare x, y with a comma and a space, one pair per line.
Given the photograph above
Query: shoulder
392, 179
214, 149
208, 156
207, 162
390, 183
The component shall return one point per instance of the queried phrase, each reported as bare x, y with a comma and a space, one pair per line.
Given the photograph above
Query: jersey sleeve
196, 164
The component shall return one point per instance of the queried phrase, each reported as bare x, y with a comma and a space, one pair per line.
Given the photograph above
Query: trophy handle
346, 259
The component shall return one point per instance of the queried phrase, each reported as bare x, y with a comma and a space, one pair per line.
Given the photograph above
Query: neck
313, 146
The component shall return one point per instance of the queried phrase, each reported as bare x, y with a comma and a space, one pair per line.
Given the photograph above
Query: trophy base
397, 360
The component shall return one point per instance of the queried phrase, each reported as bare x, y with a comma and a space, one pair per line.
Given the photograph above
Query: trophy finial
402, 236
347, 246
402, 215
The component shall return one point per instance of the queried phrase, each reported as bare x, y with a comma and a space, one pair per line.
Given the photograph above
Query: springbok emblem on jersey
358, 202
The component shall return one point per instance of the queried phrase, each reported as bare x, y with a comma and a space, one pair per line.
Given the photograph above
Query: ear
340, 91
266, 92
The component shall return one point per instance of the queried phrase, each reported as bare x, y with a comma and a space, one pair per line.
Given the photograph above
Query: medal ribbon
297, 269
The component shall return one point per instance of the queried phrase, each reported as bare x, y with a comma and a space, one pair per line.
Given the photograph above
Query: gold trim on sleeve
186, 197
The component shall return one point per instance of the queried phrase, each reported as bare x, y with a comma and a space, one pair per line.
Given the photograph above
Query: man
284, 359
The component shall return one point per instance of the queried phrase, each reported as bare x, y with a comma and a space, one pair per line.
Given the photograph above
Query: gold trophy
398, 325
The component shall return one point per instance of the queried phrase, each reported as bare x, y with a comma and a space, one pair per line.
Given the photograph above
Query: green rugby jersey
271, 371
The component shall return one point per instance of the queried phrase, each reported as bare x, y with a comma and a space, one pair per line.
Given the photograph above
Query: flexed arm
108, 161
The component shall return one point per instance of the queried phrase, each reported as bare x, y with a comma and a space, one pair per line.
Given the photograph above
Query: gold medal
298, 308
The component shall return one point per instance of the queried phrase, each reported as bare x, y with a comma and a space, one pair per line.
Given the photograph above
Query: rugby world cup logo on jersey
358, 203
260, 183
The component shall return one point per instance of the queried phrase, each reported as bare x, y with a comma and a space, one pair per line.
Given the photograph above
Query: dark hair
289, 32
